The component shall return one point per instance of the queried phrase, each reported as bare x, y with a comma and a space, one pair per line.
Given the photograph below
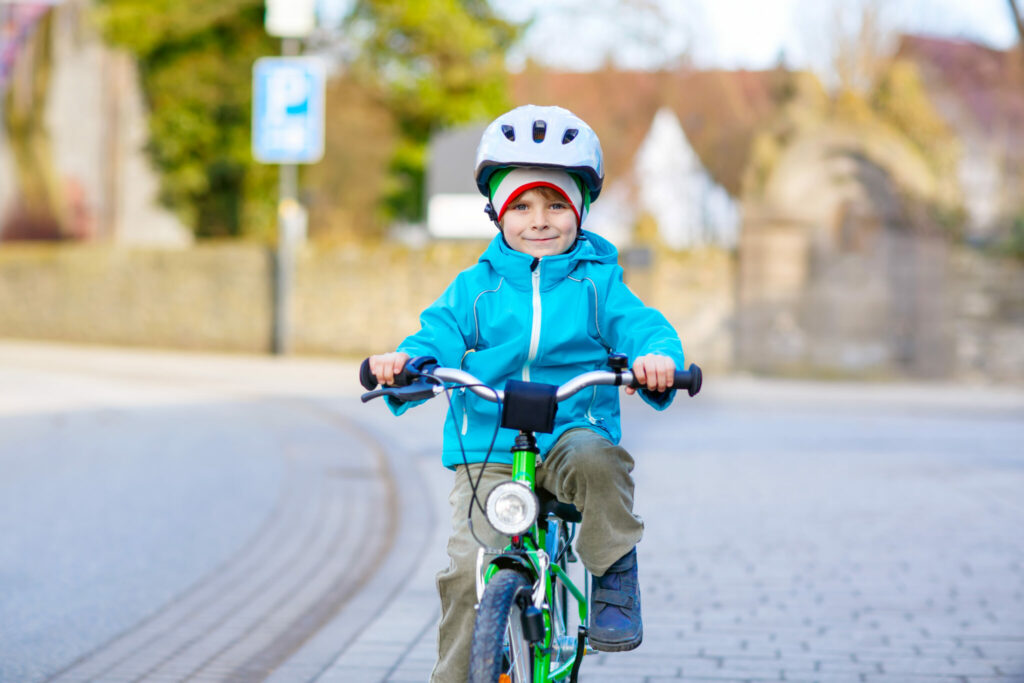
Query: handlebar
414, 383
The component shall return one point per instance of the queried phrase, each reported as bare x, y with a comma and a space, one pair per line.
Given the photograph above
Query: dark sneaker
615, 624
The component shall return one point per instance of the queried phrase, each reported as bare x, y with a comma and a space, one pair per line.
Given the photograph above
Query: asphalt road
191, 516
176, 515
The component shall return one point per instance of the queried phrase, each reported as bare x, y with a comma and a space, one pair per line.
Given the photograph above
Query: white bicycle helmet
550, 137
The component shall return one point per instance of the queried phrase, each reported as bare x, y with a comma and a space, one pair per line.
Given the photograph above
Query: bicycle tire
498, 632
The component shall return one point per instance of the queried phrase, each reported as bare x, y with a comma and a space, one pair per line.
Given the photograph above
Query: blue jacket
508, 317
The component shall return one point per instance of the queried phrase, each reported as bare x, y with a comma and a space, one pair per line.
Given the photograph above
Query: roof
986, 86
720, 110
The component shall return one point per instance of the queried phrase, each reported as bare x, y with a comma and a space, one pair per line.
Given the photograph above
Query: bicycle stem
524, 459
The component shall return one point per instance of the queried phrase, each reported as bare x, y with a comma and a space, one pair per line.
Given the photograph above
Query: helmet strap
493, 215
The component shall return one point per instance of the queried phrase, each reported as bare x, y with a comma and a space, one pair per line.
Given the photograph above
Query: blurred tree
1017, 20
901, 100
39, 211
429, 64
195, 61
850, 41
433, 64
345, 191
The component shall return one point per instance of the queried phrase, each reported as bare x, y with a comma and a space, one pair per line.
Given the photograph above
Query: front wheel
499, 646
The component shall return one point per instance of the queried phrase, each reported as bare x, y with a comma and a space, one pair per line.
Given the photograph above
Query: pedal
570, 555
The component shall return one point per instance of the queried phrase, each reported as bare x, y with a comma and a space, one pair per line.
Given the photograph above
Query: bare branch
1017, 20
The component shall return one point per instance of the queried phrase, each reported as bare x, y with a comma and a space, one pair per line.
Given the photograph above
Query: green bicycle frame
524, 470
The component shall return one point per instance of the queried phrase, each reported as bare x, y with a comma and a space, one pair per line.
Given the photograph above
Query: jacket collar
517, 268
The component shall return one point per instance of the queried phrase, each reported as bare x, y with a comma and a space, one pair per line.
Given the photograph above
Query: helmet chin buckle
493, 215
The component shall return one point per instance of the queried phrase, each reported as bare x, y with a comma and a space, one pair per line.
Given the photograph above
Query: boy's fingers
658, 380
639, 372
382, 368
664, 377
656, 373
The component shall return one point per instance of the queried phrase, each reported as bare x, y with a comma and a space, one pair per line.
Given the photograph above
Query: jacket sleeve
440, 335
636, 329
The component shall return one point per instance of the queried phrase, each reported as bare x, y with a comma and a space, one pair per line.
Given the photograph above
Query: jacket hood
516, 266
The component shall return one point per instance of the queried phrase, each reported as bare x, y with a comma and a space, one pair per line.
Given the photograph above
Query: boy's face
538, 226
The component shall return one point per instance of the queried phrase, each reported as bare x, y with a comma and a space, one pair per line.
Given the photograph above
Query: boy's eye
520, 207
559, 206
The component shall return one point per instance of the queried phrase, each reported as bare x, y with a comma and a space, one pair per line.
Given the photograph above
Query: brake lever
417, 391
370, 395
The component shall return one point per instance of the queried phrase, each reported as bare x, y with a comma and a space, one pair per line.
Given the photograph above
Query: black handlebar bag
529, 406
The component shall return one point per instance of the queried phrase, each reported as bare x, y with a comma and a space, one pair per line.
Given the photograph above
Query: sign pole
284, 255
288, 129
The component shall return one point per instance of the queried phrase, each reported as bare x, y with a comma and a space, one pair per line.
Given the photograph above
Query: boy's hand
386, 365
655, 372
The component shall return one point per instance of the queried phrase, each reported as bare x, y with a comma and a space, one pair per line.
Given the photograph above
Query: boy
545, 302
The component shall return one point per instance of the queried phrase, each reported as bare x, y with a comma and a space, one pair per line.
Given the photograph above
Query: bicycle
523, 631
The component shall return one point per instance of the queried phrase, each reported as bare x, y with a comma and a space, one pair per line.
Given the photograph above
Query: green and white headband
509, 183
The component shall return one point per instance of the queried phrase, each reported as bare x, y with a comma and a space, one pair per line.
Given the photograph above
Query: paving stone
356, 674
871, 554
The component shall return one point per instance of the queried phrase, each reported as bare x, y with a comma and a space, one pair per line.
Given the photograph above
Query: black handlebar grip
366, 377
694, 378
690, 380
370, 382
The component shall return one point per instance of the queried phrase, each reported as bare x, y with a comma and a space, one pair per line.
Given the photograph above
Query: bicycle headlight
512, 508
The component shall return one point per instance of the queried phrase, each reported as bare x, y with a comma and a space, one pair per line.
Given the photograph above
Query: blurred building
979, 92
666, 181
455, 207
676, 145
96, 118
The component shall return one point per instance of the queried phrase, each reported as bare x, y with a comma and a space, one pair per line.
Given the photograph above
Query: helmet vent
540, 129
509, 132
570, 135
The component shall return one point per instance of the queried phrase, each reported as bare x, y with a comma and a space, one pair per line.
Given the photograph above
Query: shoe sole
624, 646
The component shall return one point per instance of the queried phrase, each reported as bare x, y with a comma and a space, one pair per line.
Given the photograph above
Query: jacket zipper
596, 421
465, 412
535, 331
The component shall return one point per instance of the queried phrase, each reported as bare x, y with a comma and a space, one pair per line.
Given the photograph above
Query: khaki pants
582, 468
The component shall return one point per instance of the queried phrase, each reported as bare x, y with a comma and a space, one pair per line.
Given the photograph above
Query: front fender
517, 563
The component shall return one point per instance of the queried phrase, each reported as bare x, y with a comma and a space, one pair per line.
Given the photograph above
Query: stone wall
967, 314
988, 317
350, 301
893, 303
215, 297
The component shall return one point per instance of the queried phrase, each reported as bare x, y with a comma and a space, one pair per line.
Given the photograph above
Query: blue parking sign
288, 110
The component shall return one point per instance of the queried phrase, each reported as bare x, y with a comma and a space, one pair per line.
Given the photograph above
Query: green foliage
430, 63
1015, 240
901, 100
345, 191
39, 208
196, 60
434, 63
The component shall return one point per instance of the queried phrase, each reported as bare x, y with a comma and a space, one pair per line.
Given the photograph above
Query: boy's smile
538, 226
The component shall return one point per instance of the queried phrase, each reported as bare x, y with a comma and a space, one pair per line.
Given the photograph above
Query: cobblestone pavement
797, 532
794, 531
